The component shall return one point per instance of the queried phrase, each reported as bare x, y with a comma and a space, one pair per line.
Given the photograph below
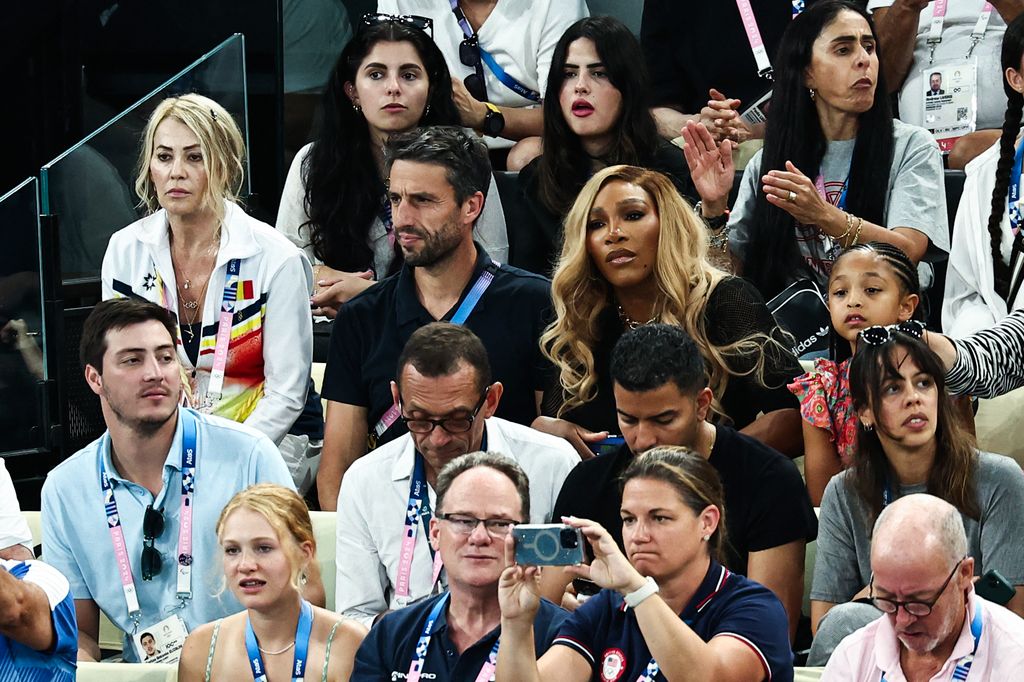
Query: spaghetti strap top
216, 632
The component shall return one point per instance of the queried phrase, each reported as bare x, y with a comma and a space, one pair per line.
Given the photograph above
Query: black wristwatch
494, 122
713, 222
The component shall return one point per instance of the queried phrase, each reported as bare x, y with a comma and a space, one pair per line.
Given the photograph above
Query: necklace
630, 322
192, 311
279, 651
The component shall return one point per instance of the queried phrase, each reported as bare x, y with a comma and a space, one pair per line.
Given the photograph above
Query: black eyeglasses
920, 609
152, 528
464, 524
449, 424
878, 335
425, 24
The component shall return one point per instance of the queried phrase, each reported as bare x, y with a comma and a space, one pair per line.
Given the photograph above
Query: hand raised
711, 165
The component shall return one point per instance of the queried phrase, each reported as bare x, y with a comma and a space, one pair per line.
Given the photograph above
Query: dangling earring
355, 107
303, 579
813, 93
869, 427
426, 112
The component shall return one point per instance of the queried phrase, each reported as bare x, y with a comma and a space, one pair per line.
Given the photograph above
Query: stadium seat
324, 524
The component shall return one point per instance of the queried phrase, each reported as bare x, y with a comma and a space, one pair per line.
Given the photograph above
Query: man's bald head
919, 526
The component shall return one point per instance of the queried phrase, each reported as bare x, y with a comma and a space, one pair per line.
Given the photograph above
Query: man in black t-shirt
662, 398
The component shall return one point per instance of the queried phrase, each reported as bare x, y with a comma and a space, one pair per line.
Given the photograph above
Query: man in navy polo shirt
456, 635
437, 180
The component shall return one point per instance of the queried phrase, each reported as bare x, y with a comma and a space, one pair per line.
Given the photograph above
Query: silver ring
792, 196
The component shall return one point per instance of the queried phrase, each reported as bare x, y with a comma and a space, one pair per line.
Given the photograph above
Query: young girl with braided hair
986, 258
870, 284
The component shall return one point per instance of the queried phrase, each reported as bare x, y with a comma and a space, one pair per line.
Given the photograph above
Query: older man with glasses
455, 635
935, 626
446, 397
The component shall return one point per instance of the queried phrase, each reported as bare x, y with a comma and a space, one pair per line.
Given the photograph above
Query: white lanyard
764, 64
184, 553
938, 22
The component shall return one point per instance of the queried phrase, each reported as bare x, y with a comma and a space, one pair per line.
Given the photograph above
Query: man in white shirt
445, 395
15, 536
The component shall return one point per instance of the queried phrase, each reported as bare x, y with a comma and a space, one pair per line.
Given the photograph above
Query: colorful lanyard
1013, 196
764, 64
506, 79
939, 8
423, 643
460, 317
227, 315
417, 510
963, 666
189, 455
302, 630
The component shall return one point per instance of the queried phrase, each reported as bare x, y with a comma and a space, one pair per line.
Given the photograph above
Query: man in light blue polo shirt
113, 513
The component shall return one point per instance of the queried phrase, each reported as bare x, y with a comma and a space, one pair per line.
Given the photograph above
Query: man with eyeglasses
934, 627
130, 519
455, 635
446, 397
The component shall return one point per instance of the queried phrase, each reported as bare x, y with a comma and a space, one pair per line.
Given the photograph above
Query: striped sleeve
990, 362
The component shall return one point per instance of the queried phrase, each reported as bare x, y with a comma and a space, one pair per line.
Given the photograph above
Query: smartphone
994, 587
609, 444
548, 544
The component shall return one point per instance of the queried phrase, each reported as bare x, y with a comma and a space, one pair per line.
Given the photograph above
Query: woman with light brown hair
634, 252
269, 552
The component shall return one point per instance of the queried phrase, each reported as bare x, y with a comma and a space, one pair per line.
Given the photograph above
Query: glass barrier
91, 187
22, 344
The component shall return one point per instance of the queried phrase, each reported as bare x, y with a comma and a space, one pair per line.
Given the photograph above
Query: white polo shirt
374, 496
14, 529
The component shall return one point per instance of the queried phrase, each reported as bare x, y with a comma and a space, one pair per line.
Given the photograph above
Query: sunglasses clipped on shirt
878, 334
425, 24
152, 528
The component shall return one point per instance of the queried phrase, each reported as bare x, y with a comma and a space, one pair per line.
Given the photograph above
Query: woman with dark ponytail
836, 169
986, 259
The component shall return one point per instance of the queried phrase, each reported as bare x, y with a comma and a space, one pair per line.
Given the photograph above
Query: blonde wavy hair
684, 276
286, 513
220, 141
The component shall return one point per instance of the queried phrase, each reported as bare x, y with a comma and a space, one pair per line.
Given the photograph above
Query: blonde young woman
197, 253
634, 252
269, 550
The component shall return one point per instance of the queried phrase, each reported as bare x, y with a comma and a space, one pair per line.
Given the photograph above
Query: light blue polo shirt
76, 540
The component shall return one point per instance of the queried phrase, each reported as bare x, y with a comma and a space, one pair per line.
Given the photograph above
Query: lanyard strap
650, 673
939, 8
963, 666
189, 455
764, 64
227, 315
819, 184
461, 315
506, 79
302, 631
416, 511
423, 644
1013, 195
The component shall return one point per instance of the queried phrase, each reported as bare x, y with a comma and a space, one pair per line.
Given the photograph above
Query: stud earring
356, 107
869, 427
813, 93
706, 538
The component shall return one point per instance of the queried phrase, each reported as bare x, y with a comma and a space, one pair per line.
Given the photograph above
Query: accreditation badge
950, 100
161, 642
757, 111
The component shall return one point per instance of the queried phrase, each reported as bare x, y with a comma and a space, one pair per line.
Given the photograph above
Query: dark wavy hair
793, 133
565, 167
954, 472
343, 191
1013, 50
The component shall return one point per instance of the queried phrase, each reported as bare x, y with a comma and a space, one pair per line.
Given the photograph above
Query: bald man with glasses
934, 626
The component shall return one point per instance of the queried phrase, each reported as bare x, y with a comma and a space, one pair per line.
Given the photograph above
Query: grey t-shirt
842, 566
916, 199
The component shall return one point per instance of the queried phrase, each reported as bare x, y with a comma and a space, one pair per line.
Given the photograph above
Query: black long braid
1013, 49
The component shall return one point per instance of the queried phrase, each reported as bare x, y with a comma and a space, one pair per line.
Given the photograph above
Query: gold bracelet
856, 234
849, 228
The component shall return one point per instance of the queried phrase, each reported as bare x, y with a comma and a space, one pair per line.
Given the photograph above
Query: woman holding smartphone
670, 607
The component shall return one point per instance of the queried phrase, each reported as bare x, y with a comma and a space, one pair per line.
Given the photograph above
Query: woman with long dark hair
390, 78
909, 440
836, 169
596, 114
986, 258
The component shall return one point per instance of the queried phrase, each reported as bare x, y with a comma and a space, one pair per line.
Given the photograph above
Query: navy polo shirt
605, 632
371, 330
387, 652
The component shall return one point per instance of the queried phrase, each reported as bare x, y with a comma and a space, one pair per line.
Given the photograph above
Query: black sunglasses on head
152, 528
425, 24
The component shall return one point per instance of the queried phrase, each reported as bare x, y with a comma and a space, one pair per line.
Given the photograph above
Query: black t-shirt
537, 245
734, 311
694, 46
766, 502
371, 330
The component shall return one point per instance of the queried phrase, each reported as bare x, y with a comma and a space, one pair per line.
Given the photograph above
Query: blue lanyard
507, 80
189, 455
1013, 197
423, 644
886, 493
473, 297
963, 666
302, 631
419, 504
798, 7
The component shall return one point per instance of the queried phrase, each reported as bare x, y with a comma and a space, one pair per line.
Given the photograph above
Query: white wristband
633, 599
